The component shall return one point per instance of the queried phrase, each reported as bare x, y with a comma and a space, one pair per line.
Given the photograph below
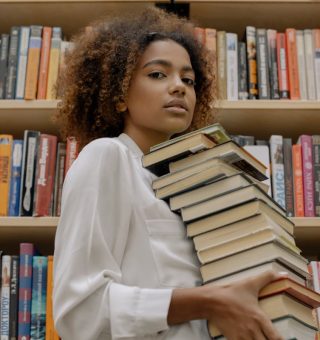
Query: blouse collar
131, 144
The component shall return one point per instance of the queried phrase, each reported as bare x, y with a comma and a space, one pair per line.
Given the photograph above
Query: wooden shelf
234, 16
69, 14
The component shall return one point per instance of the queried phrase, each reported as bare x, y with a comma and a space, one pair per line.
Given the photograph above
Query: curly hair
98, 70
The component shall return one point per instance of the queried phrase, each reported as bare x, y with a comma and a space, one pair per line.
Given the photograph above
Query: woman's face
161, 97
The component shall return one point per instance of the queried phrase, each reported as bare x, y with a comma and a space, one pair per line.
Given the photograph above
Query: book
232, 66
222, 65
252, 61
288, 176
237, 215
277, 265
282, 66
310, 67
4, 52
29, 164
216, 132
11, 76
234, 246
240, 229
316, 42
59, 176
262, 64
5, 169
44, 177
14, 297
5, 297
227, 201
297, 180
231, 153
220, 186
158, 161
293, 72
38, 300
72, 151
301, 64
242, 71
273, 64
316, 167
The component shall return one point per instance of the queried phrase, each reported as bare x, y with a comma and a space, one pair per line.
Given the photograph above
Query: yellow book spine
5, 172
53, 73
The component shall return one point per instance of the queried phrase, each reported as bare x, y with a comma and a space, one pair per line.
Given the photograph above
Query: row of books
26, 295
267, 65
30, 60
32, 171
237, 229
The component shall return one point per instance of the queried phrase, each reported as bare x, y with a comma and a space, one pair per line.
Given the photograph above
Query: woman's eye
189, 81
157, 75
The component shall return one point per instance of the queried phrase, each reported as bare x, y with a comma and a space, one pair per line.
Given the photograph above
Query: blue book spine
16, 164
39, 297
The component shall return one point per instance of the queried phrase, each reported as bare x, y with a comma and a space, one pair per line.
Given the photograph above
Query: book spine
59, 176
72, 150
242, 71
38, 304
22, 61
301, 65
292, 64
25, 290
33, 62
4, 52
45, 175
316, 40
262, 64
5, 168
232, 66
15, 181
282, 66
222, 65
316, 164
310, 71
252, 62
14, 286
288, 176
277, 170
12, 63
5, 297
54, 63
273, 64
199, 35
29, 161
308, 177
44, 62
297, 180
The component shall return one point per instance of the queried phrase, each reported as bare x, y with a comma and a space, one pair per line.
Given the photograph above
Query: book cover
316, 169
222, 65
4, 53
15, 180
262, 64
72, 151
273, 63
232, 66
294, 83
310, 67
22, 61
242, 71
301, 64
59, 176
282, 66
288, 176
5, 297
5, 168
38, 303
11, 77
297, 180
252, 61
25, 290
44, 177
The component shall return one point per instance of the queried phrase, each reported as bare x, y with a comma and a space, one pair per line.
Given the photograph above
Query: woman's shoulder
105, 145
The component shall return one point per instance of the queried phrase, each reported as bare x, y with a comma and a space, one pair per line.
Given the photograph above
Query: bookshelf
259, 118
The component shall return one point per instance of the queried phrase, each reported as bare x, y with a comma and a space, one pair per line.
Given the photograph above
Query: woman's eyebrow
166, 63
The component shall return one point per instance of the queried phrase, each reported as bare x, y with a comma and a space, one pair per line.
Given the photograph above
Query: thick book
29, 164
59, 176
231, 153
216, 132
14, 298
240, 229
244, 272
222, 185
25, 290
158, 161
234, 246
38, 301
15, 179
228, 202
262, 64
5, 297
5, 168
237, 215
44, 178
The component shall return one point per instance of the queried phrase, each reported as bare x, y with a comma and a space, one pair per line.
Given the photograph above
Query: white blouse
119, 251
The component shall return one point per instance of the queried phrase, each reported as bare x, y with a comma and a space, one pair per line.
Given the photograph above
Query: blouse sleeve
89, 300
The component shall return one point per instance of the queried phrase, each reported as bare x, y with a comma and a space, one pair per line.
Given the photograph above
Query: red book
72, 152
297, 180
44, 182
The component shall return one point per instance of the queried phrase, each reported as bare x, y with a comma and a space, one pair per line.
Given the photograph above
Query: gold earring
121, 107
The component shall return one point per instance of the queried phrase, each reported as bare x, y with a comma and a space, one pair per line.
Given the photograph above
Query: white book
316, 37
301, 64
310, 70
232, 66
22, 61
277, 169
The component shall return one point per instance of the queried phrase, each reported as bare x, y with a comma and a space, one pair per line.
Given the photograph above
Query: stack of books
237, 229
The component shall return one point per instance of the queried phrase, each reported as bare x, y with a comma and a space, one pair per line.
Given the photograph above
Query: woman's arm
233, 308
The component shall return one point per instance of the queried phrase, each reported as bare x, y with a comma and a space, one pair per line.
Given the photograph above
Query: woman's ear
121, 107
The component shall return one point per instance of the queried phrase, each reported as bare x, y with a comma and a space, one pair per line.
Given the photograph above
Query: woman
123, 266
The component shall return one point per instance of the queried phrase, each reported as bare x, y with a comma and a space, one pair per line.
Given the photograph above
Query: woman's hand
235, 311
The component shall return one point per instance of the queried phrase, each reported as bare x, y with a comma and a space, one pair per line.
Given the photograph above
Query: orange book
72, 151
51, 333
33, 63
297, 180
44, 62
5, 169
293, 70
